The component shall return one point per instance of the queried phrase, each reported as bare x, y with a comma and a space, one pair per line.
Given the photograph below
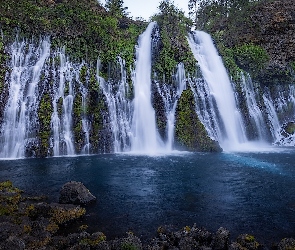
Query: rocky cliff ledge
268, 24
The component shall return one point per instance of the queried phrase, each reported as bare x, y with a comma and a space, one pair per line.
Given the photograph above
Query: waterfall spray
20, 114
145, 137
220, 88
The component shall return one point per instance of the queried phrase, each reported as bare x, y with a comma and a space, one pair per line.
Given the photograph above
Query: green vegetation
290, 128
115, 8
45, 112
128, 246
245, 33
84, 27
252, 58
246, 57
77, 122
189, 131
173, 47
3, 67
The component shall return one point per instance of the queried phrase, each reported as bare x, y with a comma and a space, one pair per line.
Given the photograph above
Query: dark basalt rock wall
271, 25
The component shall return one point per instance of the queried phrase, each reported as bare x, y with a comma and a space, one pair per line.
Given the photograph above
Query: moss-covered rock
97, 113
10, 197
287, 244
44, 113
248, 241
78, 112
189, 131
173, 47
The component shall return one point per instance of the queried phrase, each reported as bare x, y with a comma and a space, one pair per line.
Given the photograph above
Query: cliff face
273, 28
268, 24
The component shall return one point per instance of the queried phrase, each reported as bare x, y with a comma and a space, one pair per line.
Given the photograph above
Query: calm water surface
244, 192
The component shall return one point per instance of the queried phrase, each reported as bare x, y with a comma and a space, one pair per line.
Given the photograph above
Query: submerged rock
74, 192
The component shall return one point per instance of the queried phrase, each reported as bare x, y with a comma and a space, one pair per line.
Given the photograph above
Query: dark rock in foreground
74, 192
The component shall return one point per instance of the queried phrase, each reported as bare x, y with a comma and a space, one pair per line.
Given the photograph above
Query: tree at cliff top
84, 27
115, 8
174, 48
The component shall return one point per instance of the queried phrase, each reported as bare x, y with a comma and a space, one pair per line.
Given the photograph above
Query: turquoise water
244, 192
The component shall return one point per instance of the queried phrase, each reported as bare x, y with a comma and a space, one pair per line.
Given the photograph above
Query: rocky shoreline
32, 223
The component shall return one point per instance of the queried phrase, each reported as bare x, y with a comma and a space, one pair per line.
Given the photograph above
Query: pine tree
116, 8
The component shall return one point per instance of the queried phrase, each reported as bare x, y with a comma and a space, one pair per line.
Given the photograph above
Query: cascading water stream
85, 122
170, 99
285, 102
272, 117
254, 111
206, 108
119, 108
145, 138
220, 88
20, 115
63, 143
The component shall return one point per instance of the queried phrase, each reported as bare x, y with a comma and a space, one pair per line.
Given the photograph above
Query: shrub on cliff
84, 27
173, 48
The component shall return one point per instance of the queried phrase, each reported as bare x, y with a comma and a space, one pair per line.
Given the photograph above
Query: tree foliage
84, 27
116, 8
230, 22
174, 48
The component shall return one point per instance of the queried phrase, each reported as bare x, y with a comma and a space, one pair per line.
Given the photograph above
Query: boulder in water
74, 192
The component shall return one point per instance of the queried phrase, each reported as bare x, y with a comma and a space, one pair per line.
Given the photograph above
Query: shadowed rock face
270, 25
75, 193
275, 25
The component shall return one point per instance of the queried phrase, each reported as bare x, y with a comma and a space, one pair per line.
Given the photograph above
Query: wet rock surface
74, 192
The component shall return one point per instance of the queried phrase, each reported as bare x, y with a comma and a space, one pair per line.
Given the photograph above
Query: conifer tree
116, 8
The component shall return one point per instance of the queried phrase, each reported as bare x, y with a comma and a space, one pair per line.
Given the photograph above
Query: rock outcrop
74, 192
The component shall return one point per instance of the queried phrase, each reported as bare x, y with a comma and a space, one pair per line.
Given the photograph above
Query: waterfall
220, 88
20, 115
170, 97
206, 108
281, 113
145, 138
61, 120
85, 122
272, 117
40, 76
254, 110
119, 108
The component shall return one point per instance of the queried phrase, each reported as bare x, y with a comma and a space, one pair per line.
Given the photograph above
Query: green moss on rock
189, 131
44, 113
173, 46
77, 121
10, 197
62, 215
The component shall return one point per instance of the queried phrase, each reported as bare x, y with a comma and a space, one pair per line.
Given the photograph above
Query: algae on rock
189, 131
